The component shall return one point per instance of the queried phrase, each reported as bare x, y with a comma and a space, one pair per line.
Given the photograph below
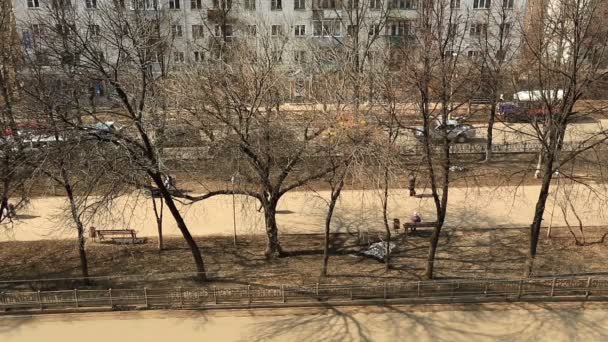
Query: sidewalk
304, 212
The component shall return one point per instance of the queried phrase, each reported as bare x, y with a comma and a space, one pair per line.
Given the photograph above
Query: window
352, 4
198, 56
452, 31
403, 4
99, 56
480, 4
299, 88
299, 57
474, 54
174, 4
352, 30
60, 4
33, 3
477, 30
450, 54
227, 31
249, 5
399, 28
94, 31
375, 4
91, 4
144, 4
374, 30
198, 31
223, 4
26, 40
507, 3
326, 4
326, 28
252, 30
276, 30
178, 57
505, 29
299, 4
276, 5
64, 30
277, 56
501, 54
37, 30
300, 30
176, 31
454, 3
196, 4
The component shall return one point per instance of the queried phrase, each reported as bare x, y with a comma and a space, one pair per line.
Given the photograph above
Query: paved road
498, 322
523, 132
304, 212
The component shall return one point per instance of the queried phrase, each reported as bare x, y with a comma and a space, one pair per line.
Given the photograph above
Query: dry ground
482, 253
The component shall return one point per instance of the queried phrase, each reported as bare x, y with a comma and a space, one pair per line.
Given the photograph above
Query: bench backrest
102, 233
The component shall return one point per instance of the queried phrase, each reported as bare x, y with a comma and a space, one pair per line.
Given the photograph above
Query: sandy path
304, 212
516, 322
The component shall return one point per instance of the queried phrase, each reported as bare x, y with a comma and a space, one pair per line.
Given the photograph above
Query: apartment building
195, 21
9, 51
196, 26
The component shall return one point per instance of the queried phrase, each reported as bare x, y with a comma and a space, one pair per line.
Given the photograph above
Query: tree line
360, 93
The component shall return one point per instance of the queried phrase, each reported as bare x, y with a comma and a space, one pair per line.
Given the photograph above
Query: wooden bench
117, 235
411, 226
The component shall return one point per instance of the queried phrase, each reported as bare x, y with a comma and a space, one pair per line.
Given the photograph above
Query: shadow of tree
450, 323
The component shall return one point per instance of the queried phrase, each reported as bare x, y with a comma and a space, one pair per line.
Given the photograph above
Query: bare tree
14, 169
240, 103
565, 59
129, 53
431, 69
497, 44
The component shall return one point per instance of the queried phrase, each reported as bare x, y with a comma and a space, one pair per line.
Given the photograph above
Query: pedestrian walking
412, 184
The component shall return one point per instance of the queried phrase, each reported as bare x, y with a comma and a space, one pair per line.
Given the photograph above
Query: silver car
456, 131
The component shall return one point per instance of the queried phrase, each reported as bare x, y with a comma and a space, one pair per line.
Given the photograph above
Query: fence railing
202, 297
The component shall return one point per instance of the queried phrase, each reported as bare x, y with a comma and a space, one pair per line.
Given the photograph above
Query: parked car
528, 106
456, 131
102, 130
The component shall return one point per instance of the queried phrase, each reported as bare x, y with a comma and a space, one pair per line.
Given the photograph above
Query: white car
456, 131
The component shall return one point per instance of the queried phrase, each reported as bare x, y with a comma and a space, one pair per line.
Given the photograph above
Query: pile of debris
378, 250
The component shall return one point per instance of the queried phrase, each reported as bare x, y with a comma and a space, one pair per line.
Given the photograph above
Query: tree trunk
273, 247
538, 215
441, 205
196, 253
159, 222
335, 194
490, 133
84, 265
387, 255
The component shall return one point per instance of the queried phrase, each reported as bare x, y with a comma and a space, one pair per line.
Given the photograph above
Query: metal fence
249, 296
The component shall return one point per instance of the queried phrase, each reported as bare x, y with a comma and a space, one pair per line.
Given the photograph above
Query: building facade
197, 27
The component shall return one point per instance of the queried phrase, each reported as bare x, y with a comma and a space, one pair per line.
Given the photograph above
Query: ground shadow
450, 323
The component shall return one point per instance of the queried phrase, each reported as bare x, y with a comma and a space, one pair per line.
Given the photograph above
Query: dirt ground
480, 253
554, 322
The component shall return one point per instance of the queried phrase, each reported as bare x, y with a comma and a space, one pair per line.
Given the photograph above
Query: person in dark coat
412, 184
